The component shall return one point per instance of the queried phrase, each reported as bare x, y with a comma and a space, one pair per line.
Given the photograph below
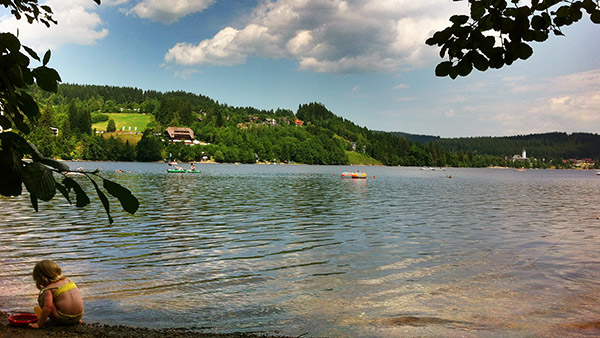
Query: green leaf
439, 38
54, 163
18, 58
39, 181
129, 202
63, 191
46, 8
13, 140
464, 67
480, 62
27, 75
16, 76
35, 153
28, 105
5, 122
47, 78
10, 170
82, 198
595, 17
104, 201
20, 124
459, 19
523, 51
31, 52
443, 69
46, 57
34, 201
541, 36
453, 73
477, 10
10, 42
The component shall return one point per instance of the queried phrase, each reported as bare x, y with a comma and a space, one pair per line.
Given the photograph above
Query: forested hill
423, 139
312, 134
549, 145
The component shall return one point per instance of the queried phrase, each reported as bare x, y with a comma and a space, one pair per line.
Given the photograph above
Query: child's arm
46, 310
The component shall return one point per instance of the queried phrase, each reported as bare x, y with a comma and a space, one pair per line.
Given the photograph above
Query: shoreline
97, 330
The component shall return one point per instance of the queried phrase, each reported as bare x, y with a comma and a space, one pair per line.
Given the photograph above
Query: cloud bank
168, 11
329, 36
77, 24
563, 103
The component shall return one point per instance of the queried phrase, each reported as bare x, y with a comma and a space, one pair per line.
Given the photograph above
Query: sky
365, 60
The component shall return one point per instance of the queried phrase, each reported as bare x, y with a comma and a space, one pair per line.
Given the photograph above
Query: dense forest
311, 135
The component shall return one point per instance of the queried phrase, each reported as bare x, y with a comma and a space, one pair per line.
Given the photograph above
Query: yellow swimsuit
63, 318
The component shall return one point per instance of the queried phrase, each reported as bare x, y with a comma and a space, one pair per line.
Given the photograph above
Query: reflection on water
296, 249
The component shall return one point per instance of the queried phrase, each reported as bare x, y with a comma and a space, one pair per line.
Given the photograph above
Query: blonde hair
46, 272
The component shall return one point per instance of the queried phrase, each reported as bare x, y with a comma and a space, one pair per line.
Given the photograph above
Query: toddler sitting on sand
59, 298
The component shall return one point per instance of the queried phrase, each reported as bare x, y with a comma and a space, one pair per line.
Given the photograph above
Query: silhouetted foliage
498, 32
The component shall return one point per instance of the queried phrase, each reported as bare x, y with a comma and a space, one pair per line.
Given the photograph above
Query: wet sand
94, 330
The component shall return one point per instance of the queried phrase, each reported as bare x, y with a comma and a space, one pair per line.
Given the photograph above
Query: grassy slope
361, 159
132, 138
126, 120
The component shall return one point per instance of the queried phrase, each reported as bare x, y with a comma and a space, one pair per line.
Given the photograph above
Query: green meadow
361, 159
126, 120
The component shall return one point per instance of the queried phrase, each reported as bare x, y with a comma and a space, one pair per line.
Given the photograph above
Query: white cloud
401, 86
333, 36
77, 24
168, 11
217, 51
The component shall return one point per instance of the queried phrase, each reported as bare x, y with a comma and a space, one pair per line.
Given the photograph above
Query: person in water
59, 297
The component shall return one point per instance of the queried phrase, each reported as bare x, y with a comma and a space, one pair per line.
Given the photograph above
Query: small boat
433, 168
598, 172
74, 173
354, 174
184, 171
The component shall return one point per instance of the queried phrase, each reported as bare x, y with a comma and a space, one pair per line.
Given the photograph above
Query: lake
296, 250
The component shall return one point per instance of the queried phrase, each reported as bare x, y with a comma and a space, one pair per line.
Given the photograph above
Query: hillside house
177, 134
270, 121
299, 122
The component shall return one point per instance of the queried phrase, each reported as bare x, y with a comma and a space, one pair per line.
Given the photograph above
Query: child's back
59, 297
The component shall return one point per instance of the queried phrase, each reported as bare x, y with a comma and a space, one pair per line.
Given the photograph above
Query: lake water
297, 250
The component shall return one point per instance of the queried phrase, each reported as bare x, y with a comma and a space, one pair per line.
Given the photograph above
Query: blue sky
366, 60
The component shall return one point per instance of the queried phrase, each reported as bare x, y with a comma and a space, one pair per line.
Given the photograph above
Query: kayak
183, 171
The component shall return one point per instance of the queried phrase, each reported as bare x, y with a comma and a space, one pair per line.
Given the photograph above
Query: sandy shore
100, 331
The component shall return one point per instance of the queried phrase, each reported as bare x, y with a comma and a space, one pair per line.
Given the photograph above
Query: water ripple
294, 249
